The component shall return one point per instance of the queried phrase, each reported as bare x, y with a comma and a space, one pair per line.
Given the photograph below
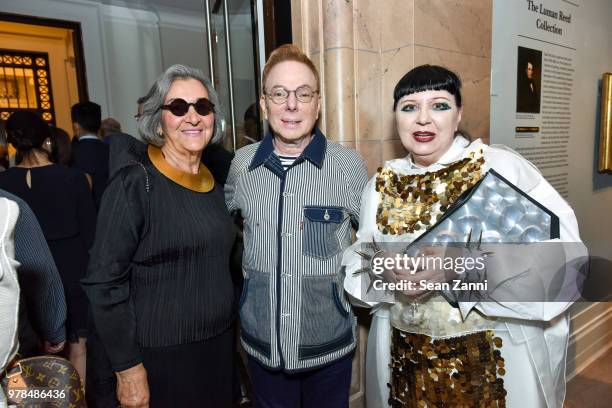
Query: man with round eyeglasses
298, 194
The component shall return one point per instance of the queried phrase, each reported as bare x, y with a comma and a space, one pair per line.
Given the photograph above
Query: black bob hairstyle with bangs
428, 78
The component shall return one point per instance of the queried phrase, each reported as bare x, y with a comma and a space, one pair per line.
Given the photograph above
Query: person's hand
416, 277
53, 348
133, 388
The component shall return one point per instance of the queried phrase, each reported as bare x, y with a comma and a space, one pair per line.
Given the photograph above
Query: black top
218, 160
61, 200
91, 156
527, 96
159, 272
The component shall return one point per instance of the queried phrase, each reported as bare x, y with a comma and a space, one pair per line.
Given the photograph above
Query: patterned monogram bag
44, 381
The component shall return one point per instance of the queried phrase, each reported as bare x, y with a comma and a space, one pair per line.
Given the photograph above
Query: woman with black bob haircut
62, 202
159, 280
428, 78
432, 351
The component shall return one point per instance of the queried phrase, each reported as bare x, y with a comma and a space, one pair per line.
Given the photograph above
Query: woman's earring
47, 145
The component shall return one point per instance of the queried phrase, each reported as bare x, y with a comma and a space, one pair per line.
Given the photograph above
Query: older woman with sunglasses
159, 280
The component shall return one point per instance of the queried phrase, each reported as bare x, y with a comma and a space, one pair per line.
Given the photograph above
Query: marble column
363, 47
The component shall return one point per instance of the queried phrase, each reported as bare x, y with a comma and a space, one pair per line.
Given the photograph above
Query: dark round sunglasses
180, 107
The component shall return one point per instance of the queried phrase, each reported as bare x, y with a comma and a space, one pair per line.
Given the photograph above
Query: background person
61, 150
89, 153
42, 310
9, 288
4, 151
251, 125
61, 199
108, 126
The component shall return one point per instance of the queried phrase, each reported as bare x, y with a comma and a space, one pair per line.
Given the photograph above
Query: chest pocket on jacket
321, 225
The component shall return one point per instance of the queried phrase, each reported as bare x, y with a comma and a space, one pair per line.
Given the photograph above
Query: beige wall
363, 47
590, 193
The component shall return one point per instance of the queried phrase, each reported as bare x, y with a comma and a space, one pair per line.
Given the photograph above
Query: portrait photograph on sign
528, 80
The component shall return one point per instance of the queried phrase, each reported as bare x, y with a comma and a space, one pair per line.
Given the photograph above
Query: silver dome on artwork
494, 210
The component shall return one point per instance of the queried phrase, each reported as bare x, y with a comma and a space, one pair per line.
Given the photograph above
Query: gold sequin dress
434, 355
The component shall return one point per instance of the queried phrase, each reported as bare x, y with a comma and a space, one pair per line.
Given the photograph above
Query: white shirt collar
88, 137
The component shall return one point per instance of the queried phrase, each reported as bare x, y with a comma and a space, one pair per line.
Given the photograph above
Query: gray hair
150, 120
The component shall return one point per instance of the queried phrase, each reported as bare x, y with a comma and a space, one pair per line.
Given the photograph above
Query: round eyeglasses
279, 94
179, 107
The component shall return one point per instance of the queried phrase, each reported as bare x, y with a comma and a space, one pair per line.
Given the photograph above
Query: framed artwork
605, 132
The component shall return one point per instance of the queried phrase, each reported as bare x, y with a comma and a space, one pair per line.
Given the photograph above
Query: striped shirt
286, 161
294, 313
38, 277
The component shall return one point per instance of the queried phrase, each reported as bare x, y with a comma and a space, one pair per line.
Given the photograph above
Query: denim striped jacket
293, 310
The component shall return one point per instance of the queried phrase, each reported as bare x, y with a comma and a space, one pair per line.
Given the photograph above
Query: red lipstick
423, 137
